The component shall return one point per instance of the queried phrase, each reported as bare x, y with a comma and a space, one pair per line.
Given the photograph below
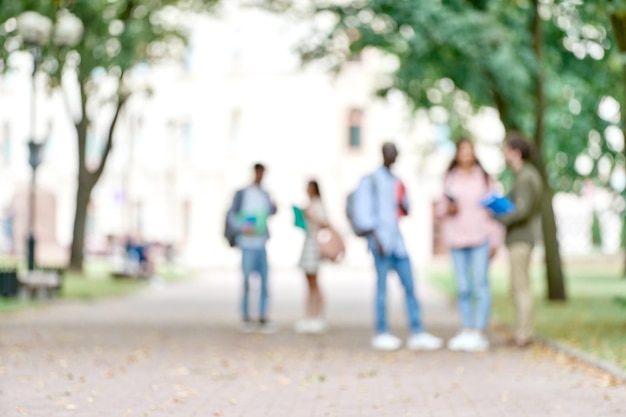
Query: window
6, 143
187, 138
355, 122
235, 126
186, 220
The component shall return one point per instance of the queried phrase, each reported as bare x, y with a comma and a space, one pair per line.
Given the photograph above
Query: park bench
41, 284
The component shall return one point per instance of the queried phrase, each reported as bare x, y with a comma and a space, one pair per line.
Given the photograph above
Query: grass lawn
9, 305
591, 320
97, 282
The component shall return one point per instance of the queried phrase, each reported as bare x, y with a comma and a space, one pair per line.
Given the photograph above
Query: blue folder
499, 205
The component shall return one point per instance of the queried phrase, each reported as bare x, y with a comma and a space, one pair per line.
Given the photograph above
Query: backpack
230, 232
350, 207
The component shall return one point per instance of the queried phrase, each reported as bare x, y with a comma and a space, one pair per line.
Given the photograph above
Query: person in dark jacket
520, 225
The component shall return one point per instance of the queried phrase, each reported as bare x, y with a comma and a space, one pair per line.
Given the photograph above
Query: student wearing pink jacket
473, 238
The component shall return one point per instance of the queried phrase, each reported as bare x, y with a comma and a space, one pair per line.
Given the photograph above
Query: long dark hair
454, 163
316, 188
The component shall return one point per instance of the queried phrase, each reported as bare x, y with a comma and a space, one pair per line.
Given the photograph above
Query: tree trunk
554, 271
83, 194
507, 119
87, 180
618, 24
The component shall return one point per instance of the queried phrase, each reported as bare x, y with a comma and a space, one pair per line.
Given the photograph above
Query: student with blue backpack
374, 210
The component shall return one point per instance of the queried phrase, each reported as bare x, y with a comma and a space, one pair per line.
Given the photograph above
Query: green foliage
118, 34
484, 49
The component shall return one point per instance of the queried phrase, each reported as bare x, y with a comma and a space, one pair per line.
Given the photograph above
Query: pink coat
471, 225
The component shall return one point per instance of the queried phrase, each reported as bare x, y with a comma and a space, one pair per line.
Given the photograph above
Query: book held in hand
299, 218
499, 205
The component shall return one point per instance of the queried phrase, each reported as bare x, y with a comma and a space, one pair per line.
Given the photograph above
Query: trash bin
9, 284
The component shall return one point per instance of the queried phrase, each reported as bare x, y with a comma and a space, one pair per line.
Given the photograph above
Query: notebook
299, 218
498, 204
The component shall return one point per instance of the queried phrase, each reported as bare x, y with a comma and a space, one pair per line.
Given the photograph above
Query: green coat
526, 194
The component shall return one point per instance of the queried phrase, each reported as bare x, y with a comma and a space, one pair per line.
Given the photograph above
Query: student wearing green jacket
520, 226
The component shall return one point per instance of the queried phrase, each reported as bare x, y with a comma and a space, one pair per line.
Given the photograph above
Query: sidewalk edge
600, 364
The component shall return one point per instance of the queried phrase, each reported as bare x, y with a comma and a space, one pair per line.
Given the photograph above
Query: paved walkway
177, 352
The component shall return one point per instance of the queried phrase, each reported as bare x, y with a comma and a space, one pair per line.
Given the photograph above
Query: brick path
177, 352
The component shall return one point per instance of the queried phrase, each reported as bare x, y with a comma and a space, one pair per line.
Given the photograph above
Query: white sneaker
458, 341
248, 327
301, 326
481, 344
317, 326
310, 326
386, 341
469, 341
268, 328
423, 341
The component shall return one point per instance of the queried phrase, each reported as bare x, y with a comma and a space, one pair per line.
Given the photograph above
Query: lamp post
35, 31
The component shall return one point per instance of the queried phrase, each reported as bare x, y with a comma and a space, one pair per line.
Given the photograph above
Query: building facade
240, 97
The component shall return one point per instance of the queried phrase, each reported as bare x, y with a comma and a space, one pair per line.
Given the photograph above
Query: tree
119, 36
537, 63
485, 48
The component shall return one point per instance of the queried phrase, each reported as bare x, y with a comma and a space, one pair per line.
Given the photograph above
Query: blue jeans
254, 260
474, 295
402, 265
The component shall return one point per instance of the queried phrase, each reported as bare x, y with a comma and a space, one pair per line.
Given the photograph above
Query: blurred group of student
473, 232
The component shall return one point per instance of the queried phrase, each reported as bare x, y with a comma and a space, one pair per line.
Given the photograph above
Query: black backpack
230, 233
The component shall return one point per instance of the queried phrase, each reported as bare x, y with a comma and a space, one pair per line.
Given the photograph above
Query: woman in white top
310, 260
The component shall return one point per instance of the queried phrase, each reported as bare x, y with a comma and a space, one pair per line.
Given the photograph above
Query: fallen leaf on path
367, 374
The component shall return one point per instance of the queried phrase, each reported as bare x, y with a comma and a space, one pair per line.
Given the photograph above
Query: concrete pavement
178, 352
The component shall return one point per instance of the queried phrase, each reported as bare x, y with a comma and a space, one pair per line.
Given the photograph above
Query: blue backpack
350, 206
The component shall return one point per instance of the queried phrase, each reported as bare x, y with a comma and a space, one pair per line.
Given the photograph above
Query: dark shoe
523, 343
519, 343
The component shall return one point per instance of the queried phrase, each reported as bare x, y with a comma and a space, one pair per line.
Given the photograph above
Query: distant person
247, 218
378, 204
310, 260
473, 238
8, 220
117, 255
526, 194
138, 257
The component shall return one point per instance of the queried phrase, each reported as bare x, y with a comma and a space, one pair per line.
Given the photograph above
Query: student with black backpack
246, 228
374, 210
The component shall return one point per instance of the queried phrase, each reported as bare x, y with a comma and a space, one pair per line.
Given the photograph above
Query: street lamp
35, 31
